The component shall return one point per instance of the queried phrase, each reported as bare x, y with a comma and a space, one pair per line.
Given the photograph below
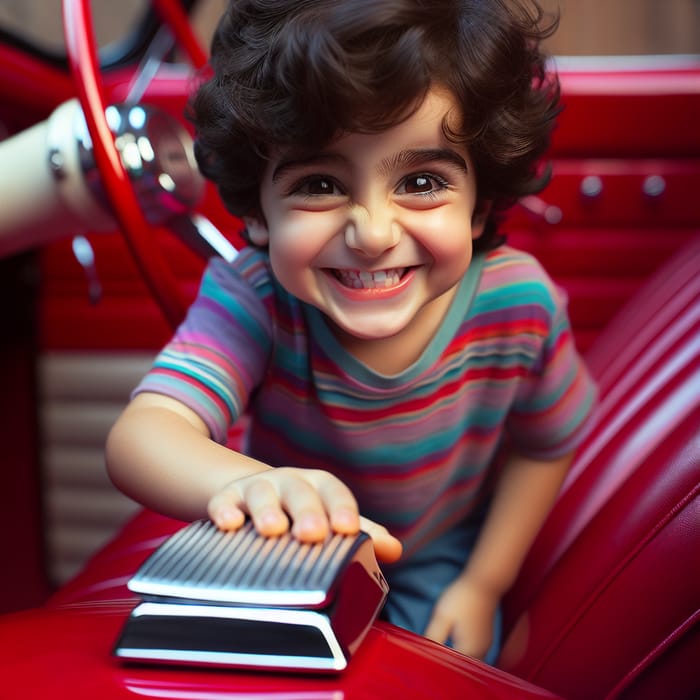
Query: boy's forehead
438, 106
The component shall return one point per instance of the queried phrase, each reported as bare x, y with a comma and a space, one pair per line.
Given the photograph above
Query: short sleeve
554, 402
219, 354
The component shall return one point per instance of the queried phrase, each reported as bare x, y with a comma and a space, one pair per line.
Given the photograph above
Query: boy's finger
306, 510
341, 506
438, 629
386, 547
262, 502
225, 512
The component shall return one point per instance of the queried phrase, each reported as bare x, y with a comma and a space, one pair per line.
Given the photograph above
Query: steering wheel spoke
118, 188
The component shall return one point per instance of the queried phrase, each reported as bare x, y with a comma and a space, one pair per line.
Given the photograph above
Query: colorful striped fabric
415, 448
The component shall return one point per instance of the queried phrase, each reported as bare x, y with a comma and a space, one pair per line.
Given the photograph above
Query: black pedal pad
211, 597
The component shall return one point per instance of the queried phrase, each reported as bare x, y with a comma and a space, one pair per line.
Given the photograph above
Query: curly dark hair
300, 72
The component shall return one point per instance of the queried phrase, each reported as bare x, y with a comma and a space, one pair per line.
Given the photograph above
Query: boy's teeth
369, 280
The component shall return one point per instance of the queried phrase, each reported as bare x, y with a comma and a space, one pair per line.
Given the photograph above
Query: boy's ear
257, 230
480, 217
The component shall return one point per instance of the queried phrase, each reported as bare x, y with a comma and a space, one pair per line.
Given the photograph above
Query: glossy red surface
66, 653
20, 71
626, 122
65, 650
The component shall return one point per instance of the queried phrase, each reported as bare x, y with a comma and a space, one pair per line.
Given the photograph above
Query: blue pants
415, 585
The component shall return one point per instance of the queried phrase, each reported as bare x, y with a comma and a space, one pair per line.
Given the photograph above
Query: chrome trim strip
307, 618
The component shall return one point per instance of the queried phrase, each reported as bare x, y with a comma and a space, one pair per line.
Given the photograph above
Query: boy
404, 371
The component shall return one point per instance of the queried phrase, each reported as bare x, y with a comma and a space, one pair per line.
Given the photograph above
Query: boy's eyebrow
300, 160
409, 157
421, 156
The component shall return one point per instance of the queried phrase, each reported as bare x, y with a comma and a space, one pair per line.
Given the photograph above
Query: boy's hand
315, 501
464, 613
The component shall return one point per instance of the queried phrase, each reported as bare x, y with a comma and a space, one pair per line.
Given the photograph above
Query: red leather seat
607, 604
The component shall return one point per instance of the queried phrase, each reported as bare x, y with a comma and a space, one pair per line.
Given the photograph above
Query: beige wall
599, 27
615, 27
41, 19
587, 26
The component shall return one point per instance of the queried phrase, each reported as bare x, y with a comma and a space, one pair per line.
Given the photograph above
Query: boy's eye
318, 186
422, 184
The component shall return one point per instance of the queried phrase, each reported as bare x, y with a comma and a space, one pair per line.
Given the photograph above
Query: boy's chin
367, 330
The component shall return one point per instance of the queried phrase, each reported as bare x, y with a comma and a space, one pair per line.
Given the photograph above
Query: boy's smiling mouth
364, 279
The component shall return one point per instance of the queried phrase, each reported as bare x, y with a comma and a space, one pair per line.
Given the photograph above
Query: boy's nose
371, 232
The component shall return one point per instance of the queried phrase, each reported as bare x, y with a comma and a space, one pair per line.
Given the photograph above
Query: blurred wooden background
595, 27
621, 27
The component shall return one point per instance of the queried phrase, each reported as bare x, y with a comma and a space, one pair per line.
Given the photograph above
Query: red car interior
608, 602
612, 581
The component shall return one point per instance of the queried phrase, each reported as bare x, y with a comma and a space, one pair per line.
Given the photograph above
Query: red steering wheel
83, 61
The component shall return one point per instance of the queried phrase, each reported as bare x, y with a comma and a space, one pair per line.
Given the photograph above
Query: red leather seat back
607, 603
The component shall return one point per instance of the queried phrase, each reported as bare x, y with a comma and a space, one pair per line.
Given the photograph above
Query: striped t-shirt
415, 448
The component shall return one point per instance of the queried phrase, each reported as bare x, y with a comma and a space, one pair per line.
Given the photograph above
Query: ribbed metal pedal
202, 562
240, 599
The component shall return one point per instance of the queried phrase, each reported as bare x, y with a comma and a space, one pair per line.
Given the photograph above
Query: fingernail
347, 519
227, 518
310, 525
271, 523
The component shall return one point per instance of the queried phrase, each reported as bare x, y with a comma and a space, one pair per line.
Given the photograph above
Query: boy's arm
159, 452
524, 495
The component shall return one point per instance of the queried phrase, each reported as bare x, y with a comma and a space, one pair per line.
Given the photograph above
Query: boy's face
375, 230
